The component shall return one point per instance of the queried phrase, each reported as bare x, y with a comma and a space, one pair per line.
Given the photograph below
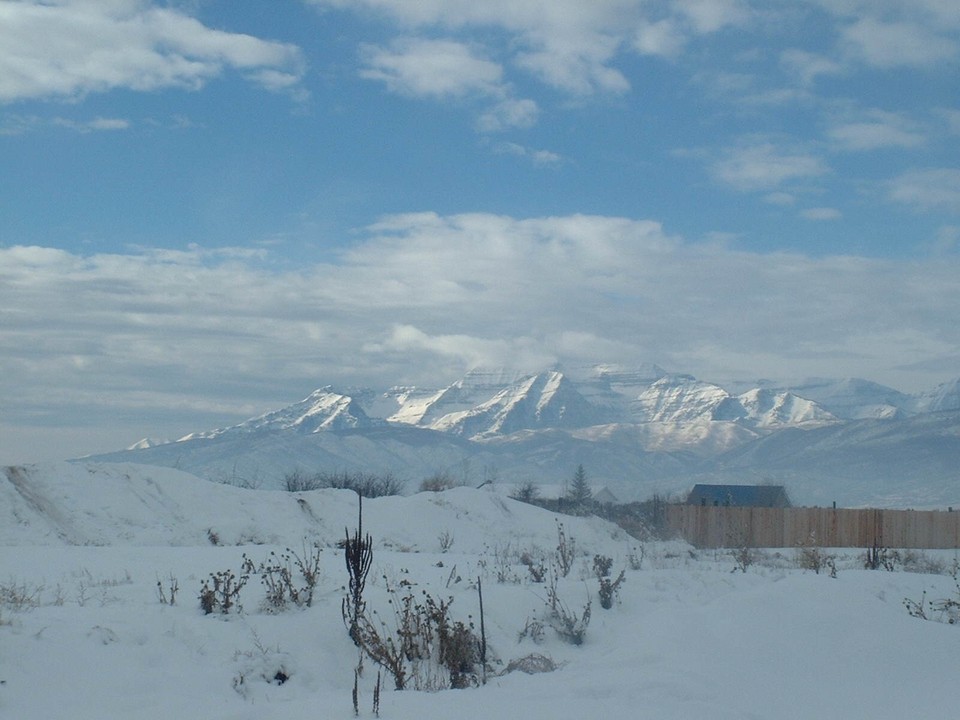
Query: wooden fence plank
713, 527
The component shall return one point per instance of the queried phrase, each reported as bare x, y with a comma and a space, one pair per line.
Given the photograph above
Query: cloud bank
68, 48
138, 338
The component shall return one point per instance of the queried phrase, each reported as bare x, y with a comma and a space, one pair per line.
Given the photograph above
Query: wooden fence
712, 526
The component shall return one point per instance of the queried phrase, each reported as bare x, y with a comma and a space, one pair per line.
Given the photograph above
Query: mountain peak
323, 409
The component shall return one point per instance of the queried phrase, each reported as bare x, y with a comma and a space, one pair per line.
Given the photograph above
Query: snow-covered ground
84, 635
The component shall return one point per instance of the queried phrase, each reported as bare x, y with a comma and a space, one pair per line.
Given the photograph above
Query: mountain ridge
638, 431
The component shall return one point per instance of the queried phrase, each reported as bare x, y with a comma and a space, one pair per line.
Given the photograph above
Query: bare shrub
377, 643
636, 557
568, 624
290, 577
438, 482
364, 484
741, 551
222, 592
877, 556
425, 646
812, 557
918, 561
743, 557
535, 566
602, 565
533, 629
445, 538
527, 491
566, 550
502, 564
21, 596
942, 610
609, 588
168, 593
300, 481
531, 664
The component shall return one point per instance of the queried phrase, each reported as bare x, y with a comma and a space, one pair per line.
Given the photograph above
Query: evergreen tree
580, 492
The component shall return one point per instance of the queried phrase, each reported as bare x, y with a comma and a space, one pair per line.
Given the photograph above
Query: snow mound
128, 504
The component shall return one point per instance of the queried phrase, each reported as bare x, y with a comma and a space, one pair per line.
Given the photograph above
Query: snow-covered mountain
544, 400
855, 398
322, 410
636, 430
942, 397
684, 399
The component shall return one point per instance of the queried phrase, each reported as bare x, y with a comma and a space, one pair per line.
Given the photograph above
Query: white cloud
507, 114
444, 68
821, 213
952, 119
569, 44
434, 68
877, 129
894, 44
538, 157
707, 16
947, 239
779, 198
662, 37
928, 189
99, 123
424, 297
807, 66
66, 48
764, 166
468, 351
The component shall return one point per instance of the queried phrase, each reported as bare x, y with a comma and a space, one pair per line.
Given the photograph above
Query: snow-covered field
84, 634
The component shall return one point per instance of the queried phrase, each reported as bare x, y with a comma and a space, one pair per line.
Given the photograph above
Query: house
739, 495
603, 496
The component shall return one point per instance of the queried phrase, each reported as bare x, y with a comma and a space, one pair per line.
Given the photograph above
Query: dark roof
739, 495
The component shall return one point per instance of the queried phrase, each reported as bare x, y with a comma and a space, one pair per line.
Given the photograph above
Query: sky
209, 208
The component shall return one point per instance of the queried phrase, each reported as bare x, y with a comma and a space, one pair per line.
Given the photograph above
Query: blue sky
208, 208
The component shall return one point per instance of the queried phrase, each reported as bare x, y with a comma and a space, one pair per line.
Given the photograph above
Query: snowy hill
124, 504
103, 566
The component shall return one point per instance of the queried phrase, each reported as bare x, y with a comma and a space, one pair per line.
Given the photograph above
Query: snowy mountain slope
855, 398
322, 410
415, 406
684, 399
942, 397
545, 400
764, 408
702, 439
262, 460
677, 398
